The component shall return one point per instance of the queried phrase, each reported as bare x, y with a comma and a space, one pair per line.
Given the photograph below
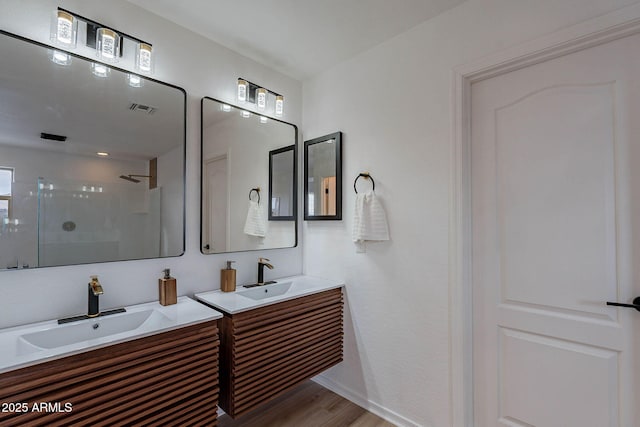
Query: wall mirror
323, 178
248, 180
282, 188
91, 168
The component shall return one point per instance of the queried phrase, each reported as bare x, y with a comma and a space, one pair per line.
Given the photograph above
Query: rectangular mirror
243, 151
282, 189
91, 168
323, 178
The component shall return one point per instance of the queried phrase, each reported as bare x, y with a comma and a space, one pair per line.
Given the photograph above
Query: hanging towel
369, 219
256, 224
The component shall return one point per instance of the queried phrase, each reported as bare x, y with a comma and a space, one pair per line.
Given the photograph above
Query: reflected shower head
128, 178
132, 179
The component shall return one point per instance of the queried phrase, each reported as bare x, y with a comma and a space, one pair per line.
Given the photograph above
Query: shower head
129, 178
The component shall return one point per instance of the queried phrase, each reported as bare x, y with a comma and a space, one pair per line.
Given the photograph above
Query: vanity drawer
170, 378
268, 350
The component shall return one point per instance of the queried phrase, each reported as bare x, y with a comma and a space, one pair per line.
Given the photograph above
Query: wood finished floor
308, 405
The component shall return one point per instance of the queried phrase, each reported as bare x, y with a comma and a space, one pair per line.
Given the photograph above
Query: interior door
217, 206
556, 234
328, 196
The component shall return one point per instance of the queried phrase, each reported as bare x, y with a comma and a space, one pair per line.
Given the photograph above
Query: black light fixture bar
92, 28
251, 90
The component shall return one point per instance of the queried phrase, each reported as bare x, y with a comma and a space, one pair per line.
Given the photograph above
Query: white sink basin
37, 342
85, 330
266, 291
284, 289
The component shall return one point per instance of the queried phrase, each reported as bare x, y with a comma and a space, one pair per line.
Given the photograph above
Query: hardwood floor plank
308, 405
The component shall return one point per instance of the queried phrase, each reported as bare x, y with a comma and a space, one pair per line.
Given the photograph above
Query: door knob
636, 304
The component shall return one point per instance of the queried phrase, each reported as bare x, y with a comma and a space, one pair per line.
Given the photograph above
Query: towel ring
365, 175
257, 190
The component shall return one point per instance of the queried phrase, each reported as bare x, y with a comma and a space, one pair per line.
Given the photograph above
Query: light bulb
107, 44
261, 98
144, 62
243, 87
64, 29
279, 105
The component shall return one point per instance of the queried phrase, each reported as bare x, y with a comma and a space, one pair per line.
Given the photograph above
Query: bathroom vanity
274, 337
164, 371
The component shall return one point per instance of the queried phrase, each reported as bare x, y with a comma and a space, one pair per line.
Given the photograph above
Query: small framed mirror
323, 178
282, 184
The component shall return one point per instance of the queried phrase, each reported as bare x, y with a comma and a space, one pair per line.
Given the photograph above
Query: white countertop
17, 353
235, 302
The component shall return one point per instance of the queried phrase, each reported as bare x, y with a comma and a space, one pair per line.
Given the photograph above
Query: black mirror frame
294, 202
337, 137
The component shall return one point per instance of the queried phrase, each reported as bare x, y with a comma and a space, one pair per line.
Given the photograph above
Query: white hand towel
369, 220
256, 223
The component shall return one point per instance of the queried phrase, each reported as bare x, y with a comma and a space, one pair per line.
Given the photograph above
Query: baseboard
361, 401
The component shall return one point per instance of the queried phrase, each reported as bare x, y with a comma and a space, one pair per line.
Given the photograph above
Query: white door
216, 206
555, 179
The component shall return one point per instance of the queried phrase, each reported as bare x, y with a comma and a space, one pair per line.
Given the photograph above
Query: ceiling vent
142, 108
53, 137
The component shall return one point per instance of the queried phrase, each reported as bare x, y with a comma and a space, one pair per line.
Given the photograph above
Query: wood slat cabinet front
166, 379
268, 350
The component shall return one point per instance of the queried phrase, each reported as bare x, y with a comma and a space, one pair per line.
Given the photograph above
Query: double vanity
170, 364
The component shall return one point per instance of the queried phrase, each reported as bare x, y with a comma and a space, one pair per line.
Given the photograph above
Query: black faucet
95, 290
262, 263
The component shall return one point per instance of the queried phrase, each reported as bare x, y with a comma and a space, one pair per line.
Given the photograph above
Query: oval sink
89, 329
266, 291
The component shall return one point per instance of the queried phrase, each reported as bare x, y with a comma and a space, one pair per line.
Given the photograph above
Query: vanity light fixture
108, 42
102, 154
259, 95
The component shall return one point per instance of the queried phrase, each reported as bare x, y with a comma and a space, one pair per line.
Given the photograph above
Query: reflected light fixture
263, 119
100, 70
134, 80
60, 58
225, 107
64, 29
102, 154
259, 95
245, 114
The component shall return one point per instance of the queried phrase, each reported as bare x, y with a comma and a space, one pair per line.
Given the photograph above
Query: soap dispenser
228, 278
168, 289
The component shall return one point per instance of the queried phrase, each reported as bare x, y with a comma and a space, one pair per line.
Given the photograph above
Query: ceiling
299, 38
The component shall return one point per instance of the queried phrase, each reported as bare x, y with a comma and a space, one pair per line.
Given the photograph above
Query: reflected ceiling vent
53, 137
143, 108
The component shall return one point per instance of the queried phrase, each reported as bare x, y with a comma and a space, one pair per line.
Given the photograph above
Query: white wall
202, 68
393, 105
